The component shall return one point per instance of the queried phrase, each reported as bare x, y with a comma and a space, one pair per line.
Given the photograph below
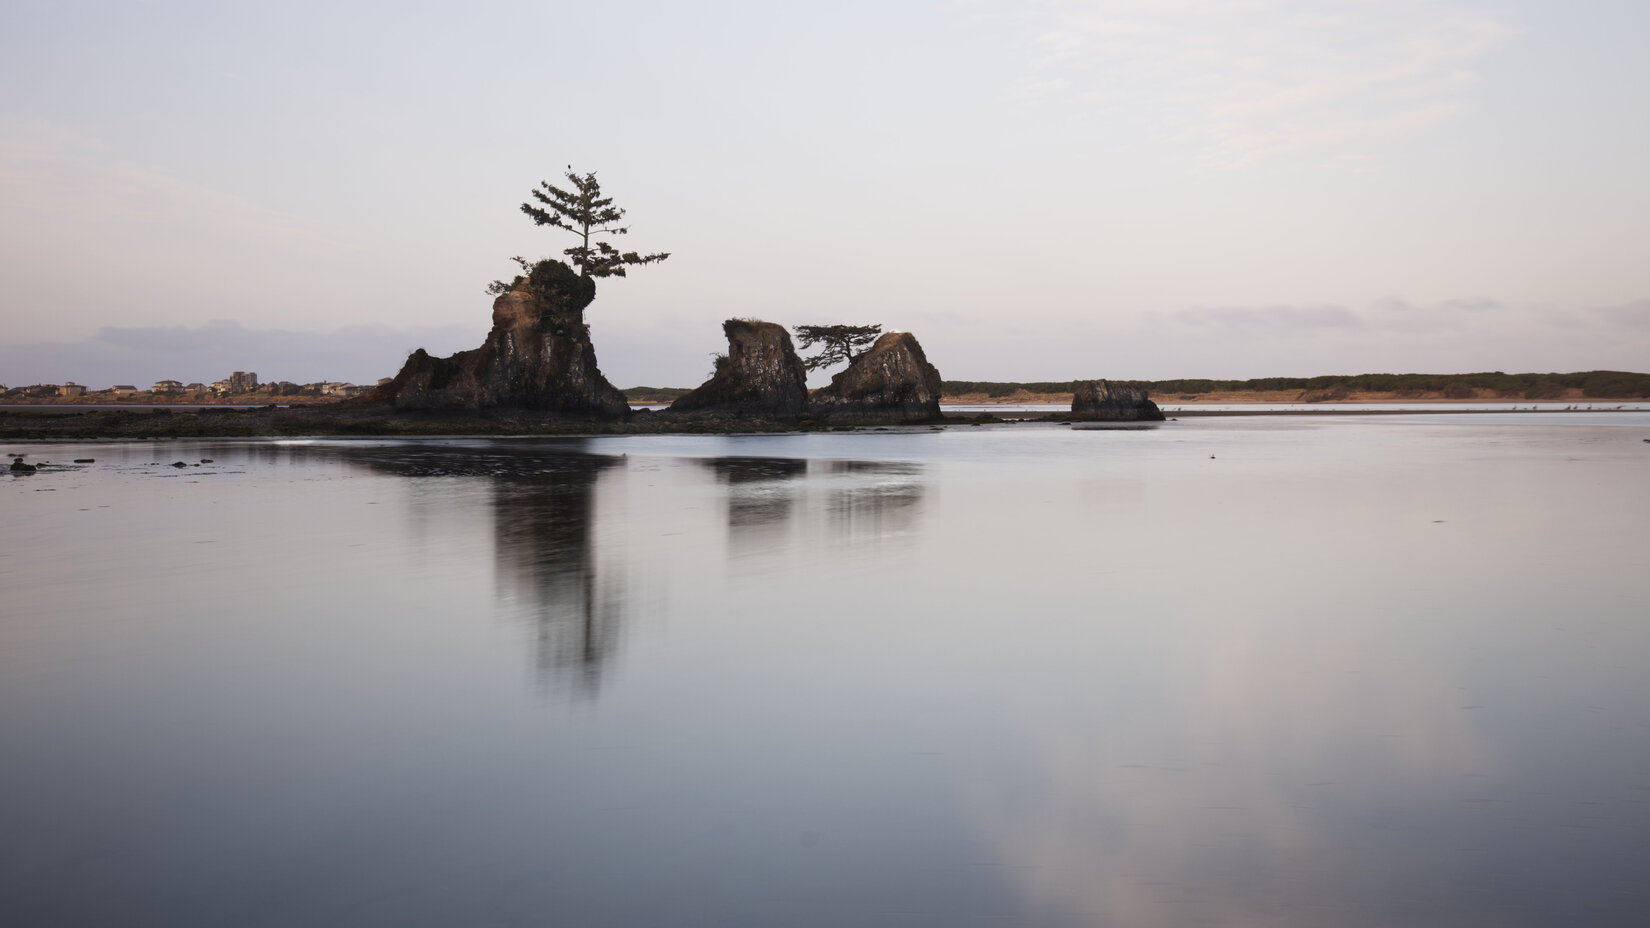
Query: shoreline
42, 424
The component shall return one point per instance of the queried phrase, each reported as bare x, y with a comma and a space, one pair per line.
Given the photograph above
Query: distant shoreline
1285, 398
1019, 398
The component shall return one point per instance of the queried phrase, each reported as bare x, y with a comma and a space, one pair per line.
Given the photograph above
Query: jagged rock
537, 356
891, 381
760, 375
1101, 401
18, 467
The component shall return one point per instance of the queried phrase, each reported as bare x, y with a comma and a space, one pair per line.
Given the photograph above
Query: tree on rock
584, 212
838, 343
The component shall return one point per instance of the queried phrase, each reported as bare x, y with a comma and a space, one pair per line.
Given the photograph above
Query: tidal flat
1355, 671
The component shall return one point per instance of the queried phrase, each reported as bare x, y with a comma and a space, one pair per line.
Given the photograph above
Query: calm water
1352, 672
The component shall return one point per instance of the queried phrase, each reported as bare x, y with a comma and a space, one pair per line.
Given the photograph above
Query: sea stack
1102, 401
760, 375
891, 382
537, 356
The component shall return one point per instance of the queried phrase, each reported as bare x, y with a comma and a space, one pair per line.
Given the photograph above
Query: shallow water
1365, 671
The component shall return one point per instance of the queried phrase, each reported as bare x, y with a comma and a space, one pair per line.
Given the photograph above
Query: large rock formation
1100, 401
537, 356
759, 376
891, 381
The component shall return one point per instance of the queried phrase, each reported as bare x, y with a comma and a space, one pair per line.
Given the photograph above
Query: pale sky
1039, 190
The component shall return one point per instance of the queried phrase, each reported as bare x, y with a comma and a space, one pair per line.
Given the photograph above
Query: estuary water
1228, 671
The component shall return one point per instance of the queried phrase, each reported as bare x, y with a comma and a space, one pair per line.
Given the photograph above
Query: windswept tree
587, 214
837, 343
584, 212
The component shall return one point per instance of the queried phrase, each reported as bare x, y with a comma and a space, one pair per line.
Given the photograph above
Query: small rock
206, 460
179, 464
1103, 401
18, 467
85, 460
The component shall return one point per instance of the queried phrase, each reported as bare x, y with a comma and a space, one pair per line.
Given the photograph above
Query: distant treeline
654, 394
1464, 386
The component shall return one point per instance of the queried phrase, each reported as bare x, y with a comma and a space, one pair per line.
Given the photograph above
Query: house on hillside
72, 390
168, 387
123, 389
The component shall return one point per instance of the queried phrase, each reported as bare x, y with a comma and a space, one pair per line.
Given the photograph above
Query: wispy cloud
1249, 80
1253, 318
144, 354
47, 168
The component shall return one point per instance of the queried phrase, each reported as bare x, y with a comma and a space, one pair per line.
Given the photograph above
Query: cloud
1394, 335
144, 354
1293, 318
1245, 81
1634, 315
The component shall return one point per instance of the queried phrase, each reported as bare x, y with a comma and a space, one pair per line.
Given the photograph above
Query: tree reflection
544, 516
545, 553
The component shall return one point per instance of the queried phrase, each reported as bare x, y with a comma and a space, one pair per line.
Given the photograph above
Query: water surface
1364, 671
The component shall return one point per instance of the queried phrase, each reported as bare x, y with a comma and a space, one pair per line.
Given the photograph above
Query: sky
1039, 190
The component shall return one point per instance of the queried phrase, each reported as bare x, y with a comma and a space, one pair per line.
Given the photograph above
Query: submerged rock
1102, 401
761, 375
537, 356
18, 467
892, 381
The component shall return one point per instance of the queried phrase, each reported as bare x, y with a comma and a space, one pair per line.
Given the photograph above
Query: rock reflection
544, 513
774, 503
872, 499
760, 491
546, 556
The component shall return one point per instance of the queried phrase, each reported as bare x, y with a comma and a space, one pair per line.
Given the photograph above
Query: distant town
238, 386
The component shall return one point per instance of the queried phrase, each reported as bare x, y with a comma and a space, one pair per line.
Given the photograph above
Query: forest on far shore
1329, 387
1491, 384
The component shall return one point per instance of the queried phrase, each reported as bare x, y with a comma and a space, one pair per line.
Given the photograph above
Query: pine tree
584, 212
838, 342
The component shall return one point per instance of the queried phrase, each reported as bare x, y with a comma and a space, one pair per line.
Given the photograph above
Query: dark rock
85, 460
18, 467
891, 382
760, 375
1101, 401
179, 464
537, 356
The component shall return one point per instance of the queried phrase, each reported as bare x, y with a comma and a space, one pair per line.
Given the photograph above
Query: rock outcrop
537, 356
1101, 401
760, 375
891, 382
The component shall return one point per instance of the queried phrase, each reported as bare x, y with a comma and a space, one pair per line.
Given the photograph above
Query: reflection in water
873, 499
545, 552
854, 502
1235, 672
544, 511
761, 496
1232, 810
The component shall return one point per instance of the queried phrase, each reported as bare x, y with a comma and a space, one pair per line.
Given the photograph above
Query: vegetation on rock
587, 214
838, 343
